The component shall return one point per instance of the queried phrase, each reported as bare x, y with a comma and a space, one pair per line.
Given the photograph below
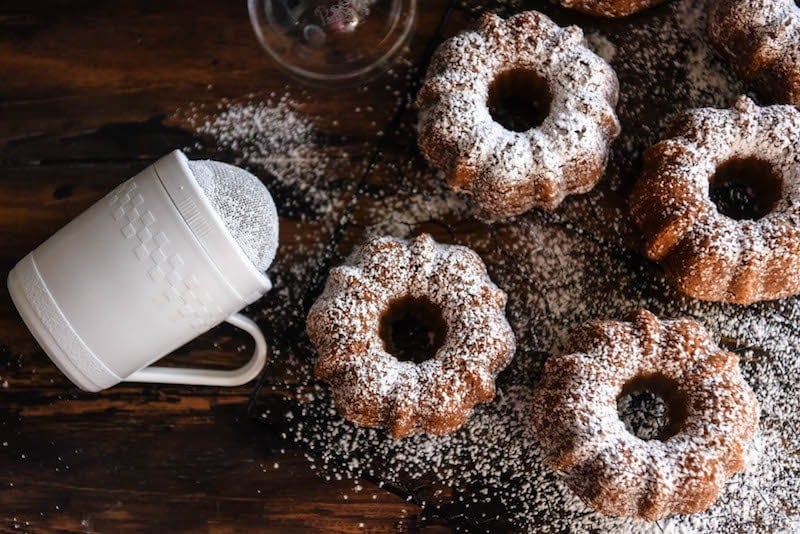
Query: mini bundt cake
712, 413
761, 39
610, 8
390, 281
713, 157
555, 142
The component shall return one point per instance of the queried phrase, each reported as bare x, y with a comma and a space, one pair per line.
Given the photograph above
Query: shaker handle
209, 377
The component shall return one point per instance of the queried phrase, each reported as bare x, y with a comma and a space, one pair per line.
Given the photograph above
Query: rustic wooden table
88, 95
92, 92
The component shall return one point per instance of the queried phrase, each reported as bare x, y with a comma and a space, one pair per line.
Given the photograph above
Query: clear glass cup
329, 42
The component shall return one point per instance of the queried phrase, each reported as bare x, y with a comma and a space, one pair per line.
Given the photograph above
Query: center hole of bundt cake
412, 329
745, 188
651, 407
519, 100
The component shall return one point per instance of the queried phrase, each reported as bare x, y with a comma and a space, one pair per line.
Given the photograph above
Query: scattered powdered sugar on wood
269, 134
419, 206
300, 162
554, 279
664, 63
502, 6
759, 38
601, 45
559, 271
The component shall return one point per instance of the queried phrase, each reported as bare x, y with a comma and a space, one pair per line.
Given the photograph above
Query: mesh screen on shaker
244, 205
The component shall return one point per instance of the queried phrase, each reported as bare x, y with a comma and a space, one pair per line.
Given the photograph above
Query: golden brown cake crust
616, 473
761, 39
610, 8
706, 254
508, 172
371, 387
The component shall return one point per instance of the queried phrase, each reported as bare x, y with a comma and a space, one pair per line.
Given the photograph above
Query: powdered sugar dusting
286, 148
602, 46
760, 39
576, 416
509, 172
481, 5
710, 255
374, 388
665, 63
560, 270
494, 460
267, 133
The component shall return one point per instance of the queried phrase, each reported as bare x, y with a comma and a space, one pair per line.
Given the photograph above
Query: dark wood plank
92, 93
161, 460
99, 81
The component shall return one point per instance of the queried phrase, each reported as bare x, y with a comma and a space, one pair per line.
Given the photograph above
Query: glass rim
308, 75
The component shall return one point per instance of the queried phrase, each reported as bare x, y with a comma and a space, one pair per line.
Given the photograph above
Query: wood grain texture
92, 92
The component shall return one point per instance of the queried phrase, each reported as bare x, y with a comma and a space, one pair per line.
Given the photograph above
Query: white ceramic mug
135, 276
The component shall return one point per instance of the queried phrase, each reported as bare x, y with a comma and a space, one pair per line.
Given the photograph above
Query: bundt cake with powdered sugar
610, 8
761, 39
711, 415
518, 113
355, 322
712, 248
